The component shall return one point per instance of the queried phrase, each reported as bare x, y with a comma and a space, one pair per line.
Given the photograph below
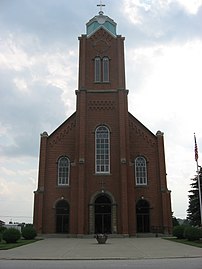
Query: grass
19, 243
197, 244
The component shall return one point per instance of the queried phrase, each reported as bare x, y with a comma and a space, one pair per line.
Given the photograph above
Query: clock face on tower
101, 19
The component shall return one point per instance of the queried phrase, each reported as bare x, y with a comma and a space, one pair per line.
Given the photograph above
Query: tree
175, 221
193, 211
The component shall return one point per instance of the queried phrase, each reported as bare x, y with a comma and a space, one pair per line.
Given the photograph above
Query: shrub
11, 235
2, 229
178, 231
28, 232
192, 233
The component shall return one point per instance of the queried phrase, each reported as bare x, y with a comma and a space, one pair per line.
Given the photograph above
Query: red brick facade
111, 201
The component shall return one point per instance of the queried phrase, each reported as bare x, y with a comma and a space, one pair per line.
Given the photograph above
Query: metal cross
101, 5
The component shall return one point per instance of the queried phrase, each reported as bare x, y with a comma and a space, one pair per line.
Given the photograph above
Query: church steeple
101, 64
101, 21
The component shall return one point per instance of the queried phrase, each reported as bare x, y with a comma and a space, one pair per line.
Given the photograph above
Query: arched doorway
143, 216
103, 219
62, 217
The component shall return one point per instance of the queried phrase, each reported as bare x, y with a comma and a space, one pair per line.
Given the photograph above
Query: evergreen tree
193, 211
175, 221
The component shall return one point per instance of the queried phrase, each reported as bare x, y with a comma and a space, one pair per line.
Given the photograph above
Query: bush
28, 232
192, 233
178, 231
11, 235
2, 229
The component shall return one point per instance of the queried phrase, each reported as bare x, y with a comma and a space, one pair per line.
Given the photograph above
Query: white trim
61, 179
141, 180
102, 162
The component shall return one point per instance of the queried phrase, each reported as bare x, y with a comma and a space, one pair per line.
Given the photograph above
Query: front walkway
115, 248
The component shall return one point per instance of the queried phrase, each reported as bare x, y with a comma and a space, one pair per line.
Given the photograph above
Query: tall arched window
101, 69
63, 171
102, 150
97, 69
105, 64
141, 171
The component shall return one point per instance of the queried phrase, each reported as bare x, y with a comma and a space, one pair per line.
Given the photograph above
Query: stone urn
101, 238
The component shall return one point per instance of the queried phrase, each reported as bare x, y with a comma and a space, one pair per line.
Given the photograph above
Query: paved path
115, 248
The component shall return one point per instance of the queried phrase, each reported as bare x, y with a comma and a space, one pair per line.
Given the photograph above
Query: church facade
102, 170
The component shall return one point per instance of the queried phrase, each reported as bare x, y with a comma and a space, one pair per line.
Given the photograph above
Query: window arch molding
101, 69
63, 171
102, 149
141, 171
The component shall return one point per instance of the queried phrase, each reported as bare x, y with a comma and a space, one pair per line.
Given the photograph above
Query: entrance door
103, 215
143, 218
62, 217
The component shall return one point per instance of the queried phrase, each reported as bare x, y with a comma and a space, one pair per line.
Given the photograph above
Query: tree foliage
193, 211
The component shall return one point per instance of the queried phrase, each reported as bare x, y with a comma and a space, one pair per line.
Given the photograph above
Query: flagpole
199, 190
198, 177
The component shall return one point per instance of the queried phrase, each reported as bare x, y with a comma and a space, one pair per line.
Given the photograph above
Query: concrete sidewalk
88, 248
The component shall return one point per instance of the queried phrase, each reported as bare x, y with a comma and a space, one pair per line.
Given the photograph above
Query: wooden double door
103, 215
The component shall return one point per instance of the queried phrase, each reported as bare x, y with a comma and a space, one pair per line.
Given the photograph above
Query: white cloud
17, 182
21, 85
191, 6
12, 55
146, 11
47, 73
172, 73
136, 9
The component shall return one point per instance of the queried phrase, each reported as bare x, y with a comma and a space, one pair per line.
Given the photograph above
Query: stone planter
101, 238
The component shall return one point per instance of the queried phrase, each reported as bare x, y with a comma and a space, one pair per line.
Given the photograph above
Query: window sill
141, 186
63, 186
102, 174
102, 82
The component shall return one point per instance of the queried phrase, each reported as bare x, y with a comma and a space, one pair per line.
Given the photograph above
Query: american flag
196, 149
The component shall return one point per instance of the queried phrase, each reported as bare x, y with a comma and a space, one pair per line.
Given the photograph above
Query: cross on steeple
101, 5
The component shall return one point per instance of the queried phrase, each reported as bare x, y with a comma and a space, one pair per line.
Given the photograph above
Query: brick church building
102, 170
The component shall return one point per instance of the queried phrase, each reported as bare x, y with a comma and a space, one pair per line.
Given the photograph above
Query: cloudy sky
38, 78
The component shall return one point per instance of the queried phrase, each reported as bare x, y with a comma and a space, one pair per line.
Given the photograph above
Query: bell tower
101, 65
102, 102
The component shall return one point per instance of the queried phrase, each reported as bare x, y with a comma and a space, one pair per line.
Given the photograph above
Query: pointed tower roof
101, 21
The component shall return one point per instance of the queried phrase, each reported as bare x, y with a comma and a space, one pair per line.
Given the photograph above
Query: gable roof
142, 126
71, 118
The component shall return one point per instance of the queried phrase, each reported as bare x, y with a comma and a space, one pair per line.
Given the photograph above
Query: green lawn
21, 242
197, 244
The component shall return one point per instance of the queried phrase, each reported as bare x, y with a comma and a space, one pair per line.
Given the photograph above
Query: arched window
102, 150
141, 171
63, 171
97, 69
105, 64
101, 69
